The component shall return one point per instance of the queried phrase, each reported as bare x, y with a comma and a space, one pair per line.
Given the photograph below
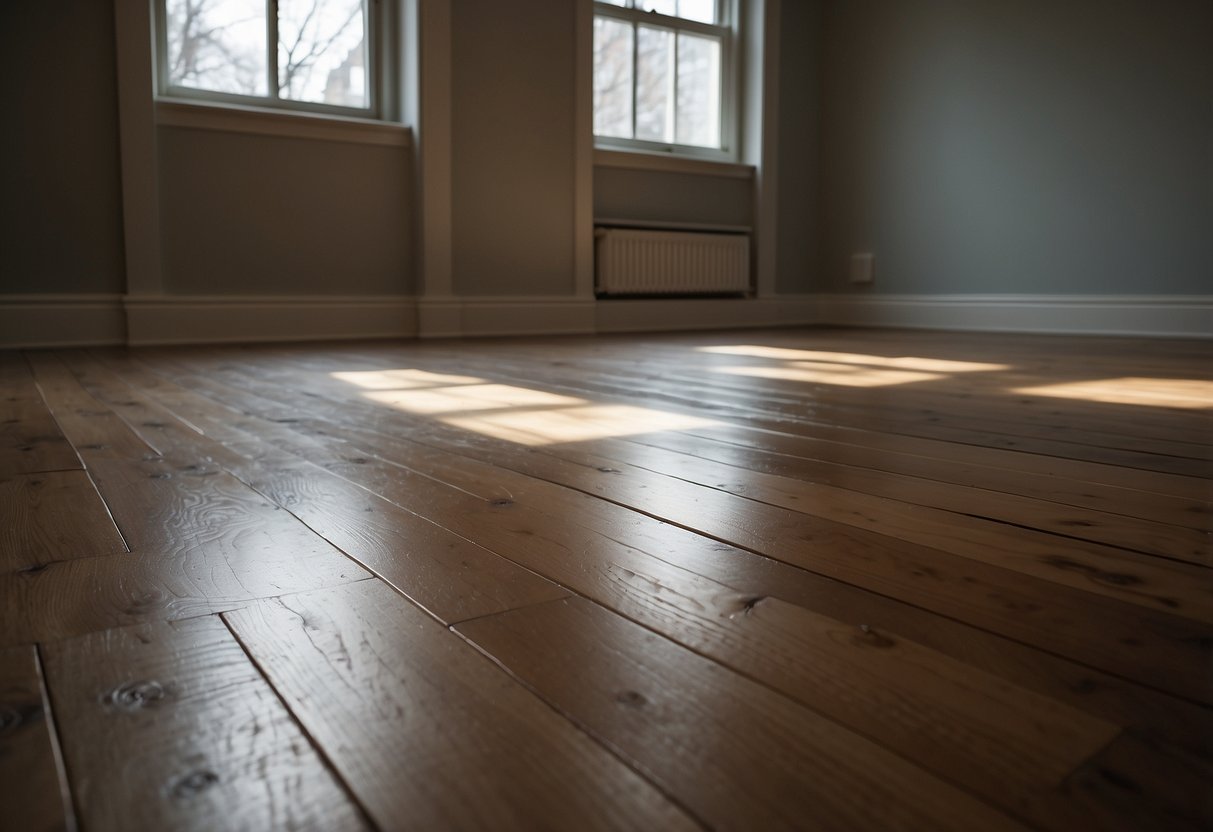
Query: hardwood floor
817, 579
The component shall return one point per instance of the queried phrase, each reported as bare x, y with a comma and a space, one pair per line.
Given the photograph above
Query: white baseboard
61, 320
454, 317
707, 313
78, 320
1187, 316
562, 315
180, 319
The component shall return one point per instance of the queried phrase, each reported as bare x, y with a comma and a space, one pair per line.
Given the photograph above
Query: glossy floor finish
818, 579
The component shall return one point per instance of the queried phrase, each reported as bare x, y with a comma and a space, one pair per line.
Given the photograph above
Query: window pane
217, 45
702, 10
698, 90
612, 78
654, 84
669, 7
614, 2
322, 52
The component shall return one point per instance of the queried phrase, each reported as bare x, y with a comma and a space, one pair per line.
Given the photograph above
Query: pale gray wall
1026, 146
798, 204
254, 214
624, 193
60, 189
512, 146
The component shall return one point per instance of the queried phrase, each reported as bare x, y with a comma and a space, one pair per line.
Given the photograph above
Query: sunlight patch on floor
517, 414
1187, 393
575, 424
928, 365
403, 379
469, 397
831, 374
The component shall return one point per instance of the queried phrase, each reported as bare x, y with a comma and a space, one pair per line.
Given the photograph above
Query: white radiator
631, 262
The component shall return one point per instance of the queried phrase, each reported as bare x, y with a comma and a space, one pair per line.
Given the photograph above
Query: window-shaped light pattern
318, 49
658, 71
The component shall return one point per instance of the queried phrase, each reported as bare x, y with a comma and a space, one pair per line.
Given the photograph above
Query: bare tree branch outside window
320, 56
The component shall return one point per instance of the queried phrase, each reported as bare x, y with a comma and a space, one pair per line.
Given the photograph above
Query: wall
512, 175
273, 215
1019, 146
624, 193
798, 207
60, 192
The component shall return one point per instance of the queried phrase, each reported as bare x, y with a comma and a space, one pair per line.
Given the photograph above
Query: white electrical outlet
863, 268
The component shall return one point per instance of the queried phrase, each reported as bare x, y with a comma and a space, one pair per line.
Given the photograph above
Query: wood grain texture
515, 516
170, 726
96, 431
51, 516
33, 794
822, 578
685, 485
429, 734
448, 575
30, 440
767, 765
202, 542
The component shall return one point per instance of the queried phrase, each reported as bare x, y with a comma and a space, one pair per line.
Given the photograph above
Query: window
663, 77
295, 54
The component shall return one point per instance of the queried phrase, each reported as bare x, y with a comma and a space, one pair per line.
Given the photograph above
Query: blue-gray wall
275, 215
1007, 146
60, 186
512, 175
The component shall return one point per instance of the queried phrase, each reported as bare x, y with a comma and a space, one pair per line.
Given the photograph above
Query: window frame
727, 30
380, 57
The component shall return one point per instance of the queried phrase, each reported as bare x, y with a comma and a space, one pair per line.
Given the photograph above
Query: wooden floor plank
201, 542
1090, 567
429, 734
51, 516
678, 383
1182, 542
1162, 508
96, 431
170, 726
30, 440
1141, 783
1018, 608
1194, 514
751, 654
784, 768
792, 419
981, 562
32, 790
764, 577
450, 576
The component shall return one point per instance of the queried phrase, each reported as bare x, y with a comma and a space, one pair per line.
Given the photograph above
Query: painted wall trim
66, 320
183, 319
583, 154
668, 163
657, 315
233, 118
486, 315
61, 320
133, 36
1189, 316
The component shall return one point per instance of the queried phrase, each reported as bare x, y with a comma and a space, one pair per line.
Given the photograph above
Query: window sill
668, 163
236, 118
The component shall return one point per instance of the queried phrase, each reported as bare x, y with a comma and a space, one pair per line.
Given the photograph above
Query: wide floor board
810, 578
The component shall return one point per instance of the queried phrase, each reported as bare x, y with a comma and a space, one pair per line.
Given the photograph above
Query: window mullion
635, 72
271, 39
674, 92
